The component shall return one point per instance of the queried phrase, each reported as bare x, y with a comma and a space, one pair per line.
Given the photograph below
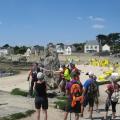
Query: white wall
3, 52
91, 47
106, 48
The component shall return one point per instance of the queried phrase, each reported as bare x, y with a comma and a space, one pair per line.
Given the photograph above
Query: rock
51, 62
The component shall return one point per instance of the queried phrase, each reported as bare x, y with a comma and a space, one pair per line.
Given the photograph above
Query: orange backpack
76, 92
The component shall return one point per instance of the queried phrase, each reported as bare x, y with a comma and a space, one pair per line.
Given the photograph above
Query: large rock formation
51, 62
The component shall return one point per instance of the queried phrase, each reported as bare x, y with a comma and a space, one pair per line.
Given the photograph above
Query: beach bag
76, 92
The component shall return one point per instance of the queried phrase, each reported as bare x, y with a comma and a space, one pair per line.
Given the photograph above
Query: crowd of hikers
79, 95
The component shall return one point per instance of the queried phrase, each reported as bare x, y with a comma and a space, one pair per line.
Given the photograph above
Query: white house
60, 49
91, 46
64, 49
3, 52
106, 48
68, 50
28, 52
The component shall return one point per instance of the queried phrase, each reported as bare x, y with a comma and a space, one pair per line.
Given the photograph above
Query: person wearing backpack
112, 97
89, 93
33, 74
74, 92
96, 95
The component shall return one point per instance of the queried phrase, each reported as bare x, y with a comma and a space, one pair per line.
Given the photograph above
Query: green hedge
60, 104
17, 116
17, 91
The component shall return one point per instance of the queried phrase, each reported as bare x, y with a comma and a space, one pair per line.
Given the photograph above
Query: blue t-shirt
87, 83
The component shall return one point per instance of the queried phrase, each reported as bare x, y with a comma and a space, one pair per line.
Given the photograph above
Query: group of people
78, 95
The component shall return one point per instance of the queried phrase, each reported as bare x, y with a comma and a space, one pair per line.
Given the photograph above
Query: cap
90, 73
113, 77
40, 76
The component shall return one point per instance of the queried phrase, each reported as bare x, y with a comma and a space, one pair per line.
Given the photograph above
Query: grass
62, 97
17, 91
60, 104
17, 116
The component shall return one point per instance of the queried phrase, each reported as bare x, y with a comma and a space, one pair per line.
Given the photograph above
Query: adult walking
112, 97
89, 93
74, 92
41, 99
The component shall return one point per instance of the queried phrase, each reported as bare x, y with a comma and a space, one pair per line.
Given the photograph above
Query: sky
38, 22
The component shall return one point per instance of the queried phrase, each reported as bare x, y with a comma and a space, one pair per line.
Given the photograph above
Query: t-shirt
40, 89
87, 83
69, 85
113, 87
67, 74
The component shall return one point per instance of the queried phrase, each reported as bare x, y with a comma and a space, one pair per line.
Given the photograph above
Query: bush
62, 97
60, 104
17, 91
18, 115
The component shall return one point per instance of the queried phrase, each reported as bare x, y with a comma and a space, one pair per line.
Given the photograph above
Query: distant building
106, 48
28, 52
60, 49
37, 49
91, 46
65, 49
6, 51
3, 52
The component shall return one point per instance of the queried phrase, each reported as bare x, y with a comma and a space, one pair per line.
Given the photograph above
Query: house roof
92, 42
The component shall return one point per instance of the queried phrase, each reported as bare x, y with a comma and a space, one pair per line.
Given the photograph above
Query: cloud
0, 22
92, 18
79, 18
98, 26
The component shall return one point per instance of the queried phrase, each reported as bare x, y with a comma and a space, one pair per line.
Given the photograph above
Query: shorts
90, 101
41, 102
69, 108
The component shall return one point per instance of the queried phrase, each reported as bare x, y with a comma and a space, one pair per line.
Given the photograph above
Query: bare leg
45, 114
106, 114
76, 116
38, 114
113, 114
82, 110
91, 112
66, 115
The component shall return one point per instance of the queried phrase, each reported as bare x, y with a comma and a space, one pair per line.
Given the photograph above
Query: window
95, 47
86, 47
91, 47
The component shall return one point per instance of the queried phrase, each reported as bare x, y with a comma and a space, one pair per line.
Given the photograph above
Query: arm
30, 73
34, 85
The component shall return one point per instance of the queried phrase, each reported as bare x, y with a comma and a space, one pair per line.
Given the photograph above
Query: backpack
92, 90
115, 95
76, 92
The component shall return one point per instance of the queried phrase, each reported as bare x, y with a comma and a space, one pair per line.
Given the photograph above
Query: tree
79, 47
6, 46
115, 40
